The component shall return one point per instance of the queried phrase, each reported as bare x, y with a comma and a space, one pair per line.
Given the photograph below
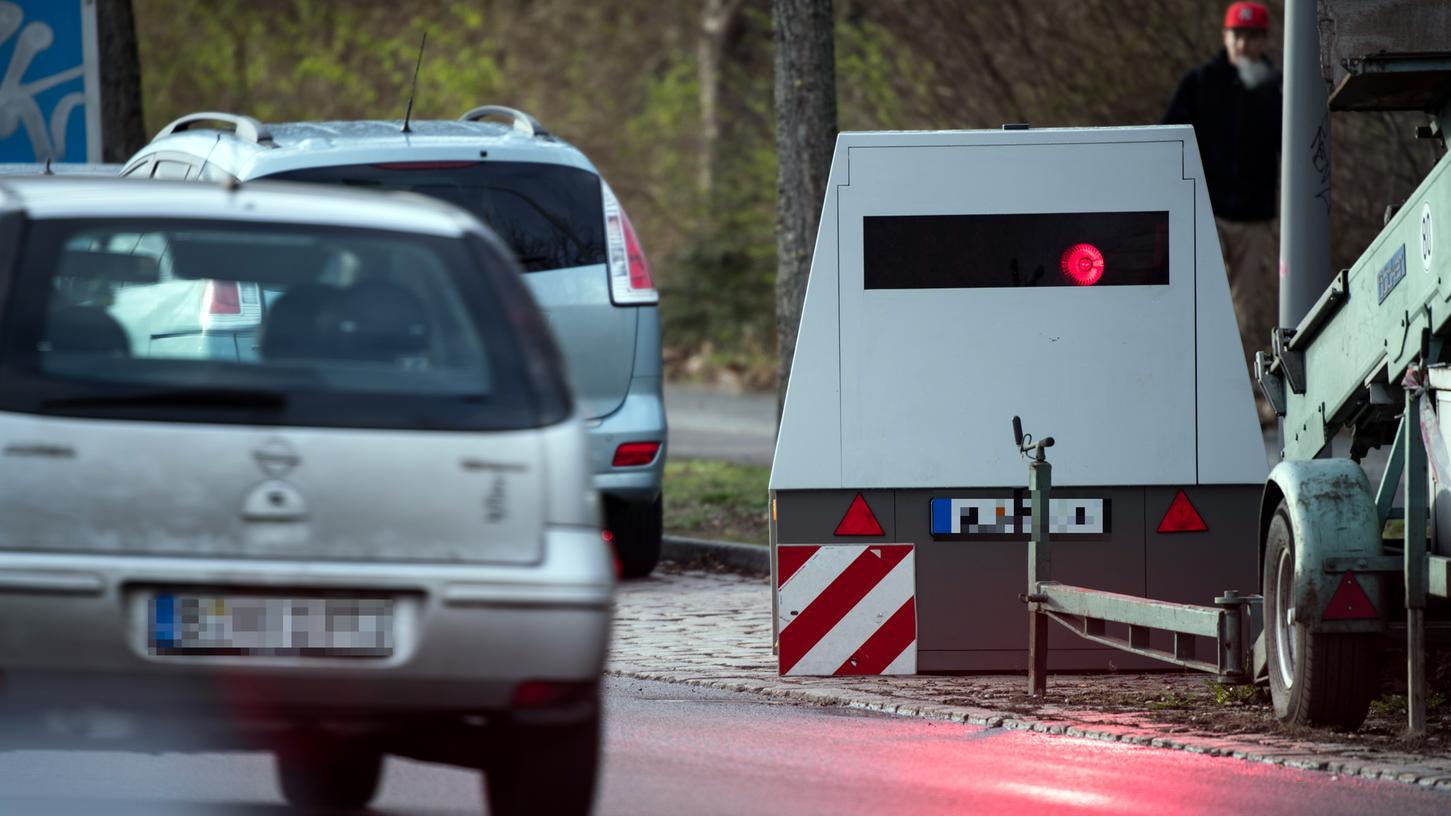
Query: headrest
234, 257
113, 267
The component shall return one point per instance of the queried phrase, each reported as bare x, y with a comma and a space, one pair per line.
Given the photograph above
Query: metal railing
1088, 612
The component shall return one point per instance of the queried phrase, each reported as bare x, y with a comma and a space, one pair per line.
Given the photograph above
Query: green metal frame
1087, 612
1384, 317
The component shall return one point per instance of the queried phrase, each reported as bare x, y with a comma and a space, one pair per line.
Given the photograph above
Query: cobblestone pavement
714, 630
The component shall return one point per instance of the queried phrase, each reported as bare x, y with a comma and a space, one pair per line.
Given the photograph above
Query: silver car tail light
231, 305
630, 280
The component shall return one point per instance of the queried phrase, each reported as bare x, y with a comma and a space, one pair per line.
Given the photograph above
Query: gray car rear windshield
274, 324
551, 215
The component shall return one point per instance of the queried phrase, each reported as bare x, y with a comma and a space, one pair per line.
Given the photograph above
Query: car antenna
408, 114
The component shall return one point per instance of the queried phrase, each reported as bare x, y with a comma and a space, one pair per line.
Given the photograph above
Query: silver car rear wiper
253, 398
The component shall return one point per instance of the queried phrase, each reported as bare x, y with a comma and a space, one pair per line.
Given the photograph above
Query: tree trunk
805, 136
716, 19
123, 131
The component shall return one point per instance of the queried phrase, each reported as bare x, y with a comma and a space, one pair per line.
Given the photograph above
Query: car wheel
637, 529
544, 769
1318, 679
328, 773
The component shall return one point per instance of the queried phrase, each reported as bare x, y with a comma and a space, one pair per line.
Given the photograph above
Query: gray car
292, 468
582, 259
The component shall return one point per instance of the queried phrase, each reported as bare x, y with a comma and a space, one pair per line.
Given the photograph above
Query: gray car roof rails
245, 127
523, 122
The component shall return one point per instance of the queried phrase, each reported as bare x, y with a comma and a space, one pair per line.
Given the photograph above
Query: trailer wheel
1316, 679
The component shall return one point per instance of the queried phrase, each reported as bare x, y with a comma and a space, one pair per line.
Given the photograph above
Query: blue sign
49, 99
1391, 274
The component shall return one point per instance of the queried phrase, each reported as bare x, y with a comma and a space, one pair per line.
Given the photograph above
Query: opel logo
276, 458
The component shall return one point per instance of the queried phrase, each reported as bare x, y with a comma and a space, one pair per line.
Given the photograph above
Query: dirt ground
1199, 704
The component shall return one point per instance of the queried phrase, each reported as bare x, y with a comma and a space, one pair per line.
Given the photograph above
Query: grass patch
1394, 705
719, 500
1235, 695
1170, 701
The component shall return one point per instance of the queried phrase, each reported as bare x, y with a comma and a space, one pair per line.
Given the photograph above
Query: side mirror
1018, 432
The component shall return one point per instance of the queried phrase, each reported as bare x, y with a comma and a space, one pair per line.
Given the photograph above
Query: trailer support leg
1040, 568
1416, 491
1037, 652
1232, 664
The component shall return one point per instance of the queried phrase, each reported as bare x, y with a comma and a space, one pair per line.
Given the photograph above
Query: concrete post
1304, 168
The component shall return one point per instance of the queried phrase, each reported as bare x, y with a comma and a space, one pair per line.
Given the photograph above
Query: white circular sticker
1428, 237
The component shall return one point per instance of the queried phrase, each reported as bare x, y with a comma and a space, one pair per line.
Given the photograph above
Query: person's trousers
1252, 261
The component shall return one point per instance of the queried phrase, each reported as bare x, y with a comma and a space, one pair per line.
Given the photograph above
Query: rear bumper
74, 638
640, 418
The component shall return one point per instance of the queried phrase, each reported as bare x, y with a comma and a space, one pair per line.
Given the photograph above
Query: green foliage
1170, 701
282, 60
623, 80
1236, 695
880, 79
719, 294
1394, 705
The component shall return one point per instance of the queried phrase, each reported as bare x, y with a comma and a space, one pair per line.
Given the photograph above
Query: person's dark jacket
1239, 136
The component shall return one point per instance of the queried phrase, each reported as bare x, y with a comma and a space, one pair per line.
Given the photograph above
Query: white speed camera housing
905, 376
1069, 277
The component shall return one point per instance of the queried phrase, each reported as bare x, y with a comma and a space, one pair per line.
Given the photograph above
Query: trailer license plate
1004, 519
266, 626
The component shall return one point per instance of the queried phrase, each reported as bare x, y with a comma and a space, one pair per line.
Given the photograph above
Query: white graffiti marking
17, 100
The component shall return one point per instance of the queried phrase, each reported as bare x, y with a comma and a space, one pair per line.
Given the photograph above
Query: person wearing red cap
1233, 101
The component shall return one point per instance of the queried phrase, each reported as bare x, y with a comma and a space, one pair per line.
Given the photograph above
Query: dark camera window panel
1025, 249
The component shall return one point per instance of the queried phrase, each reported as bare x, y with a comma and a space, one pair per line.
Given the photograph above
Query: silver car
292, 468
544, 198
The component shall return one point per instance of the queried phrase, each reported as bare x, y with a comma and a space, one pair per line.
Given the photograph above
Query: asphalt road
674, 750
709, 423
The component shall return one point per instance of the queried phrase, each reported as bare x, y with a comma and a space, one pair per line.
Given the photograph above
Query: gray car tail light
630, 280
229, 304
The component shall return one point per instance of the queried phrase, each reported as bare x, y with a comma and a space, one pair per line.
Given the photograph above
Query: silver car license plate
269, 626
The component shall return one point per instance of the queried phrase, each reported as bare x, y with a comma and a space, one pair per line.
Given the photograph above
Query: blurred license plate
270, 626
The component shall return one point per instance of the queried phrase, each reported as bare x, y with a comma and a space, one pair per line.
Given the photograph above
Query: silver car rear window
551, 215
288, 324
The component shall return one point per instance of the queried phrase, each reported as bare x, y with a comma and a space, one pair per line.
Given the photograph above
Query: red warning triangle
1349, 601
859, 520
1182, 517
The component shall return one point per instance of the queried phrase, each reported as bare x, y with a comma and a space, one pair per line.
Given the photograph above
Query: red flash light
1082, 264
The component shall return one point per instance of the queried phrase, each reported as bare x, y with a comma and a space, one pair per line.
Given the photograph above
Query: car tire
544, 769
328, 773
1316, 679
637, 529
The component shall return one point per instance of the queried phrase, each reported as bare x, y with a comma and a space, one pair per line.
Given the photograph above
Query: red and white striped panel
847, 609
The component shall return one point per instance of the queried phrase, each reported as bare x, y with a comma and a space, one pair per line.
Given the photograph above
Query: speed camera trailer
1072, 277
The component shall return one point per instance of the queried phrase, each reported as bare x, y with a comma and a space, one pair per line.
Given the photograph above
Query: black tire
637, 529
1330, 678
544, 769
328, 773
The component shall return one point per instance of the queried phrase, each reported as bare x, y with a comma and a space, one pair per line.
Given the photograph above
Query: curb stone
747, 559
